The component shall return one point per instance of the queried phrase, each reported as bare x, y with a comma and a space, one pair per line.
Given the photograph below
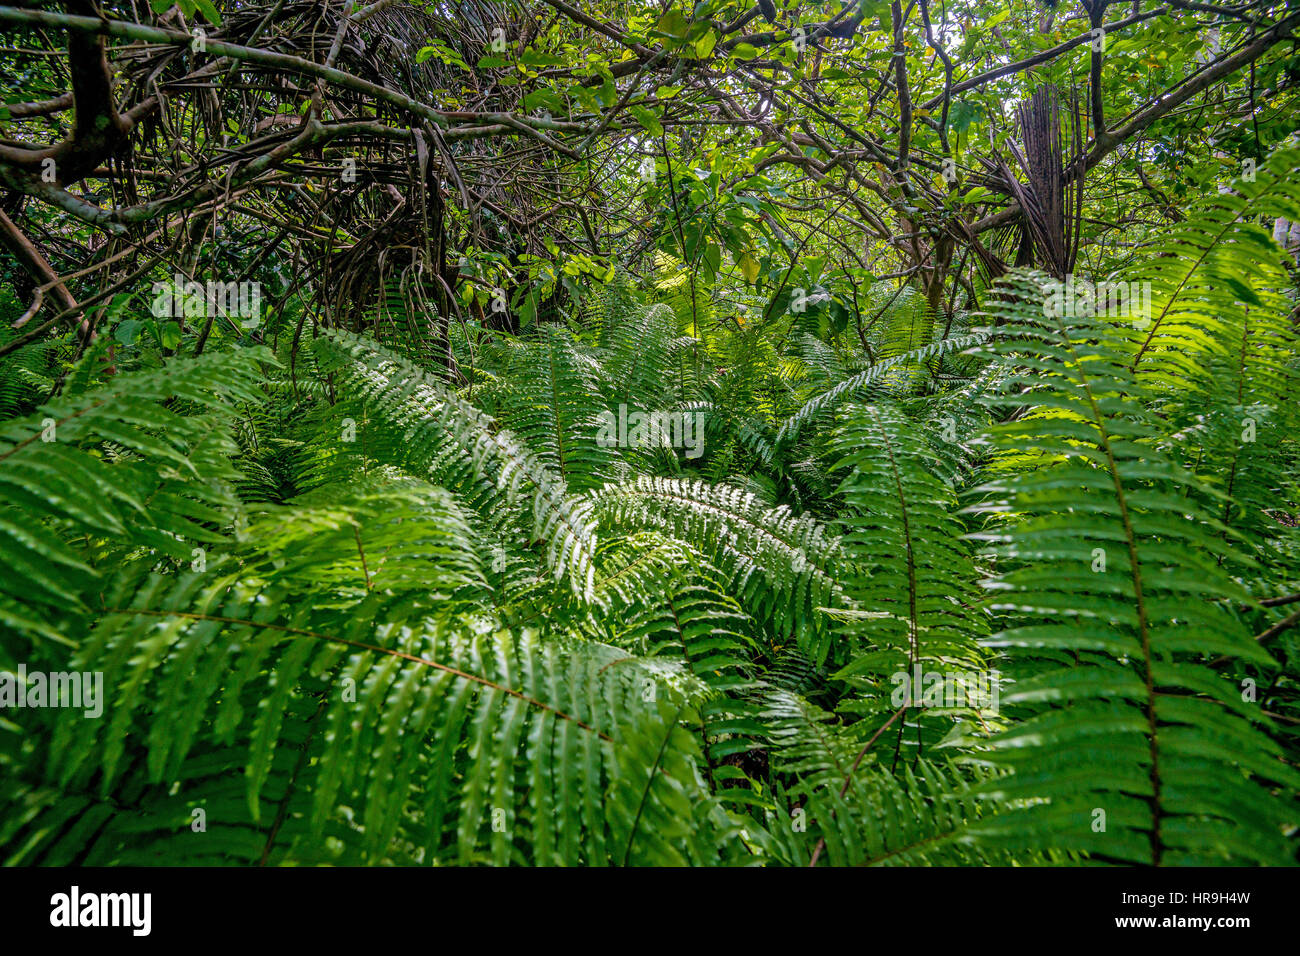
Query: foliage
653, 458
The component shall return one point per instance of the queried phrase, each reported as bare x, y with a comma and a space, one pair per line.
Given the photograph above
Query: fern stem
282, 811
911, 577
821, 843
1135, 572
650, 779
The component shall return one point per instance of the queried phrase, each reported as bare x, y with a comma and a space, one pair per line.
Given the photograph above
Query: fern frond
73, 506
1112, 580
384, 734
436, 423
860, 814
781, 567
853, 386
911, 572
1217, 291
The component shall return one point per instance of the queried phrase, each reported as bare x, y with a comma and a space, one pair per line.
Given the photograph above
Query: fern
435, 422
134, 466
859, 814
1130, 747
779, 565
878, 372
391, 599
912, 572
